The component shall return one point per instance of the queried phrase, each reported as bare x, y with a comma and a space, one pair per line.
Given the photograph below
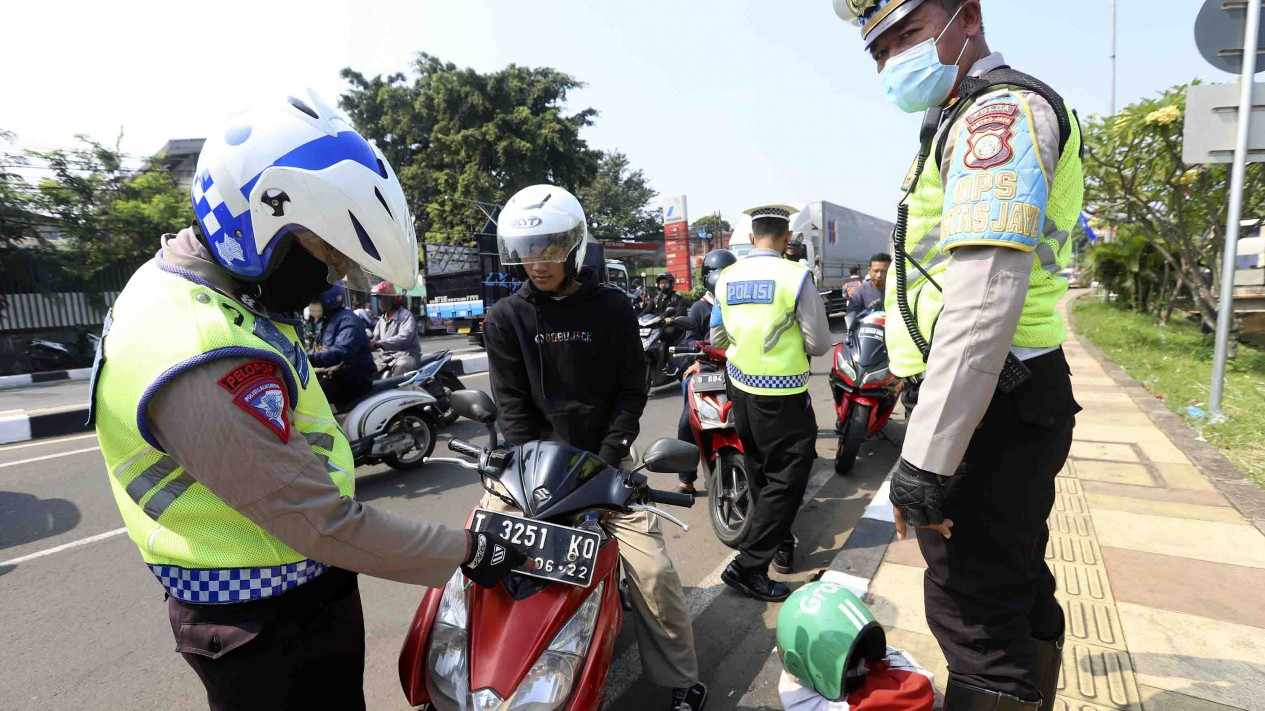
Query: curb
18, 381
19, 428
858, 561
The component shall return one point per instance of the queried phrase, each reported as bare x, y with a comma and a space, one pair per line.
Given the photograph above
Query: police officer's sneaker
754, 583
784, 560
692, 698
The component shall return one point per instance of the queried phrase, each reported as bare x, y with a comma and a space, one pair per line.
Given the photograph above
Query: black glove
493, 559
918, 494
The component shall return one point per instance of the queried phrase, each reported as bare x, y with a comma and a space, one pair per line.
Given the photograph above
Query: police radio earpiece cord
930, 124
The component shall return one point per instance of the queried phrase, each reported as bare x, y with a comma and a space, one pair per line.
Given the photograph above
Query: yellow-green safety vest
998, 185
167, 321
757, 298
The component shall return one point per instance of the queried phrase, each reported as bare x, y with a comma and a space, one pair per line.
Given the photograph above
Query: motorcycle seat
387, 384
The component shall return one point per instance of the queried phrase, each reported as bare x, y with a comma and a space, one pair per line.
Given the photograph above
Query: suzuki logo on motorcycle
541, 495
526, 222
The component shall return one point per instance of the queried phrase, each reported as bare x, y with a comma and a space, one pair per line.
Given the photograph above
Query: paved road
84, 624
66, 393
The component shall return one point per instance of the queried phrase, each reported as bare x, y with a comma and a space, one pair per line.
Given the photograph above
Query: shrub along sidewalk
1175, 362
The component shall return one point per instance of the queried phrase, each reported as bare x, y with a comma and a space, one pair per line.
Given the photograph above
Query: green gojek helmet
823, 632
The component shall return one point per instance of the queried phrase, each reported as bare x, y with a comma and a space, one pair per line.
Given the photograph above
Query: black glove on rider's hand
918, 494
492, 559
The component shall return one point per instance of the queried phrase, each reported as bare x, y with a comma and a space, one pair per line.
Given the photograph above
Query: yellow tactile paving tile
1067, 484
1224, 514
1101, 676
1062, 704
1084, 448
1081, 581
1070, 504
1236, 544
1195, 656
1072, 523
1072, 549
1091, 622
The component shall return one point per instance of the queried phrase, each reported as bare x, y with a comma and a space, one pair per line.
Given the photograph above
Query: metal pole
1225, 314
1111, 105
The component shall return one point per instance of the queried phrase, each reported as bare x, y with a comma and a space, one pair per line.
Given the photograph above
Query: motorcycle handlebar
465, 448
670, 498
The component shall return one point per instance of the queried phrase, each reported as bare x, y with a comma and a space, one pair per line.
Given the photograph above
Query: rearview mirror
671, 455
474, 405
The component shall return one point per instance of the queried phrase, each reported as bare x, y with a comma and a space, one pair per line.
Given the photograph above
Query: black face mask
299, 280
666, 288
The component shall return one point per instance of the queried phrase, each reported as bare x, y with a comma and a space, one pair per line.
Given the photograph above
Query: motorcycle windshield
869, 346
553, 480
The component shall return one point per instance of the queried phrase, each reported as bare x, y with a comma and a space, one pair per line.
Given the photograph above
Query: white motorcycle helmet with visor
293, 169
543, 223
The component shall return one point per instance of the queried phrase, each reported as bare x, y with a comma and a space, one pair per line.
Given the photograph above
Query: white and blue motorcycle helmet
294, 169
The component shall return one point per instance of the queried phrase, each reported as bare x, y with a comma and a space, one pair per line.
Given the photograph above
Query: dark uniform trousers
988, 590
779, 434
302, 649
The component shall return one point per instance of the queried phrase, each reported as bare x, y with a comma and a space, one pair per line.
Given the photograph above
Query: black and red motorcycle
864, 390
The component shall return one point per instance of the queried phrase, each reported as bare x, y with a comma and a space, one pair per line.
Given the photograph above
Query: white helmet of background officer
293, 170
543, 223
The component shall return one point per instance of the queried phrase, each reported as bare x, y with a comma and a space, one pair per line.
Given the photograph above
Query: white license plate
562, 554
645, 332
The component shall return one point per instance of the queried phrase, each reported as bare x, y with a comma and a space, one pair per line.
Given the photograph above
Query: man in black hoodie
566, 364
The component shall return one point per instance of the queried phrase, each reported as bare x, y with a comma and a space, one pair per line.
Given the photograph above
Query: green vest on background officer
232, 477
982, 234
770, 319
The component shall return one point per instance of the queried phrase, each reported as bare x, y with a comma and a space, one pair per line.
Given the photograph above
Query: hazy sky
731, 102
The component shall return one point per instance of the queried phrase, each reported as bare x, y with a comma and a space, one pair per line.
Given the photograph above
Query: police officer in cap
981, 237
770, 319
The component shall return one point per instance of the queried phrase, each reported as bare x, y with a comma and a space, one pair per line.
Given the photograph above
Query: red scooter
864, 390
724, 468
540, 640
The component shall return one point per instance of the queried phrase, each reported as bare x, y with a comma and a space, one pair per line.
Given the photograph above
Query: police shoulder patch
246, 372
990, 129
265, 399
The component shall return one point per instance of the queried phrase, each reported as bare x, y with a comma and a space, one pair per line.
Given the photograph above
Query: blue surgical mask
916, 79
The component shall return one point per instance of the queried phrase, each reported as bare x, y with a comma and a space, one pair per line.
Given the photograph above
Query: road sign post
1215, 31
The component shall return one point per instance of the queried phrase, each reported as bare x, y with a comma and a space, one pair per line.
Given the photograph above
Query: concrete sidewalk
1160, 559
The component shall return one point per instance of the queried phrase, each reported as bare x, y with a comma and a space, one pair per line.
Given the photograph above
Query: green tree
108, 214
617, 201
453, 132
713, 225
1136, 182
17, 222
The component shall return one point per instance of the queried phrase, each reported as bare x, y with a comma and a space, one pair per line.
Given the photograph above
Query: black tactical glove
492, 559
918, 494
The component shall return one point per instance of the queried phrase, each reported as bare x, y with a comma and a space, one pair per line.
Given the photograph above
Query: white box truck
835, 238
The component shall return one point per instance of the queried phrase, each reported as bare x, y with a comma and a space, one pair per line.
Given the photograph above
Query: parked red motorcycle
722, 463
541, 640
864, 389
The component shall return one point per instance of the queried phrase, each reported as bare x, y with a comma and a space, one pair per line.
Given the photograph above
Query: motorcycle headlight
447, 659
548, 685
708, 414
876, 376
841, 362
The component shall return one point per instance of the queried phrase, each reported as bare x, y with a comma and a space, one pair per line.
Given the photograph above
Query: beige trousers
665, 635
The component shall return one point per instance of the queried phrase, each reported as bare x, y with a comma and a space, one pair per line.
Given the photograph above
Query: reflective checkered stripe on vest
1039, 326
757, 298
200, 549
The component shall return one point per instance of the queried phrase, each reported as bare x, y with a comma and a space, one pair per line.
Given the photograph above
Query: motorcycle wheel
451, 384
730, 502
855, 430
423, 438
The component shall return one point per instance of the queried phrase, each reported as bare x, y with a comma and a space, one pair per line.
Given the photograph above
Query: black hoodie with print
570, 369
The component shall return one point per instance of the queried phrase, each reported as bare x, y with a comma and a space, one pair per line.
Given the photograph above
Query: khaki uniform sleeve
814, 324
285, 489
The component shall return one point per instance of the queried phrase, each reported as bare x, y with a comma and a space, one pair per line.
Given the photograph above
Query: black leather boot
1046, 673
964, 697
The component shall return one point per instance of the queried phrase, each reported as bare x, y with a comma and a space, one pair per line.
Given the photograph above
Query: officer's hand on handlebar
917, 498
492, 558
